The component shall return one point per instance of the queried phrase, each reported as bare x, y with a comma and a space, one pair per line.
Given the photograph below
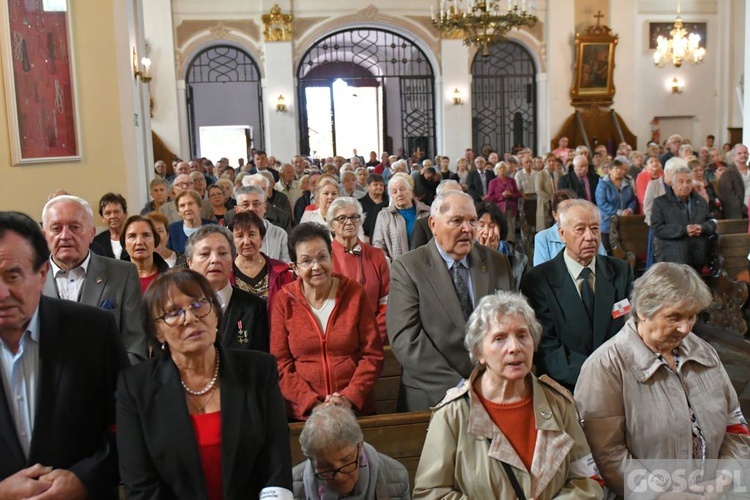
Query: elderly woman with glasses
354, 259
341, 465
658, 391
504, 433
323, 332
198, 420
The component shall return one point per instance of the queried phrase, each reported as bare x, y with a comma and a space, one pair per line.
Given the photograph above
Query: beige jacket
545, 188
633, 406
462, 453
390, 230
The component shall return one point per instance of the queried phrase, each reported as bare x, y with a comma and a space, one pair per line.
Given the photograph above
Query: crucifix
598, 17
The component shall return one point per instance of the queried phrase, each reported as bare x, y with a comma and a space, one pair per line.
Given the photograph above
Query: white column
622, 15
456, 130
559, 32
282, 134
158, 27
543, 132
746, 99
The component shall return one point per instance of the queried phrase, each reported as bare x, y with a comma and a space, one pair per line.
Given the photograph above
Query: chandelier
683, 46
482, 22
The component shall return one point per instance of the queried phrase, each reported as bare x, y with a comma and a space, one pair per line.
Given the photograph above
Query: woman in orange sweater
323, 332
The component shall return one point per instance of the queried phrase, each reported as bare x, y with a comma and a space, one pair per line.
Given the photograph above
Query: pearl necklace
210, 384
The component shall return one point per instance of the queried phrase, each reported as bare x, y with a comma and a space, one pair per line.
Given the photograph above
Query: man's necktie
587, 294
461, 290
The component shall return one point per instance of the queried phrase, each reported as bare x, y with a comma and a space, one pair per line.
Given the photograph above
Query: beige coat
390, 230
633, 406
545, 188
462, 453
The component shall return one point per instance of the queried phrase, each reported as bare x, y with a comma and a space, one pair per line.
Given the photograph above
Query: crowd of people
170, 351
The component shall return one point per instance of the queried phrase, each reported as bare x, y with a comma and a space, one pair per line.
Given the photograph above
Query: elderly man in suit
59, 363
433, 291
732, 185
479, 179
580, 179
580, 298
79, 275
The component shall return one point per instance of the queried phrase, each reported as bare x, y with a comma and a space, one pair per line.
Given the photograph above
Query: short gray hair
205, 231
491, 307
70, 199
440, 205
673, 163
564, 207
250, 190
401, 179
329, 425
158, 181
681, 170
338, 204
447, 185
668, 284
248, 179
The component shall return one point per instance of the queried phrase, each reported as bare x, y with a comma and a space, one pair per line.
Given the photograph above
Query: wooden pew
730, 295
398, 435
387, 386
628, 235
731, 226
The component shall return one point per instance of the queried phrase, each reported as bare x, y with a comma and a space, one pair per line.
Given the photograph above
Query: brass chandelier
482, 22
682, 46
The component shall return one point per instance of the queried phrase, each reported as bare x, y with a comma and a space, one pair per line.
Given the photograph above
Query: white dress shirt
69, 283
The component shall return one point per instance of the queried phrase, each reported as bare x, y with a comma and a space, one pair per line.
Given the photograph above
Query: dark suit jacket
732, 194
570, 181
251, 311
80, 356
158, 453
567, 337
371, 210
113, 285
426, 326
421, 234
279, 218
475, 183
102, 239
669, 220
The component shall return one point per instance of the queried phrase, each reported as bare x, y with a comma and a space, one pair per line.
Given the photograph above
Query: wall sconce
676, 85
457, 99
145, 74
280, 104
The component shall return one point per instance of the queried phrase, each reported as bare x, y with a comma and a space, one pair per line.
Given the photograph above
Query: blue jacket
612, 201
177, 236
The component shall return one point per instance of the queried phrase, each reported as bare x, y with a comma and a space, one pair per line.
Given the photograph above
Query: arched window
223, 88
503, 98
367, 89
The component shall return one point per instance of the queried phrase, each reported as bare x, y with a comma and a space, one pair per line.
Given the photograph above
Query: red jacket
370, 269
347, 359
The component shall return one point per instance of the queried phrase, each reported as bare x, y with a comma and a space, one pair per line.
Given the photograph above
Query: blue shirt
410, 216
464, 270
547, 244
20, 373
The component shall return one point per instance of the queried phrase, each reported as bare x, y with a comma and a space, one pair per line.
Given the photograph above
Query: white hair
248, 180
440, 205
68, 198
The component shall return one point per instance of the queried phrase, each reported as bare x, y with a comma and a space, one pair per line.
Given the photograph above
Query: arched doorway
224, 99
503, 98
367, 89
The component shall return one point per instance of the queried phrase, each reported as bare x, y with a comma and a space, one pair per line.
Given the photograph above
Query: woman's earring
164, 346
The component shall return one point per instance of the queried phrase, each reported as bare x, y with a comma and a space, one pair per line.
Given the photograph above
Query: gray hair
668, 284
338, 204
681, 170
401, 179
441, 205
329, 425
673, 163
447, 185
400, 164
158, 180
498, 304
347, 174
251, 190
269, 177
580, 160
203, 233
68, 198
248, 179
564, 207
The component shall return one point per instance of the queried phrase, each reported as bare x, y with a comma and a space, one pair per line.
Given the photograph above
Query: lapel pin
546, 414
99, 280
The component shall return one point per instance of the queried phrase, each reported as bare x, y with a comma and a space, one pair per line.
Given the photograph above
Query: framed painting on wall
595, 64
40, 89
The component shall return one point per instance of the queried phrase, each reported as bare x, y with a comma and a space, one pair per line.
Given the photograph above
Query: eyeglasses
184, 184
200, 309
320, 259
341, 219
328, 475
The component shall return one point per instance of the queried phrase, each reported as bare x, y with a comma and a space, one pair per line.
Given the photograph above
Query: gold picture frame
595, 67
